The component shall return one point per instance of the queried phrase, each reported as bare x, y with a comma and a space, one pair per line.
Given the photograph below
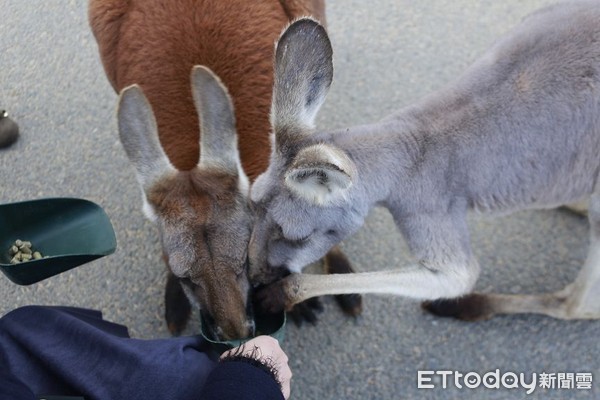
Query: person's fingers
279, 360
286, 380
271, 353
268, 347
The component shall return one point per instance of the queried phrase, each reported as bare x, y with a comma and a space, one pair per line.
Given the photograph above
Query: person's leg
73, 351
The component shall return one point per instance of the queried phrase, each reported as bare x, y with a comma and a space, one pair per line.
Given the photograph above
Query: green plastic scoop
69, 231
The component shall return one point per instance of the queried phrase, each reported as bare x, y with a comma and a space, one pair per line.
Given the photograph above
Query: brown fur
185, 33
296, 8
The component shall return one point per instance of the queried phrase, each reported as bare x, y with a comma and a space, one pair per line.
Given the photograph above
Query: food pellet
22, 251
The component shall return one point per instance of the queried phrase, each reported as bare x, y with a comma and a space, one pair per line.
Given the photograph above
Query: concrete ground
388, 53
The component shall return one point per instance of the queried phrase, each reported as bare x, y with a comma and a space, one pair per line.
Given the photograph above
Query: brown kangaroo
195, 188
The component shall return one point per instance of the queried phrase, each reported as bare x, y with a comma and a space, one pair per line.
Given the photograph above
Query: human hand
267, 351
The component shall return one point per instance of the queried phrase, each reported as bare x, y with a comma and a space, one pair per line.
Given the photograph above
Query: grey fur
519, 129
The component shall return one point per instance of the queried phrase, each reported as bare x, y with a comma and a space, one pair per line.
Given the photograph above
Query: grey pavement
387, 54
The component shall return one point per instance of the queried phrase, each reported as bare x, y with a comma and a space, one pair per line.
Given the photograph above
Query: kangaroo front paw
472, 307
271, 299
351, 304
306, 311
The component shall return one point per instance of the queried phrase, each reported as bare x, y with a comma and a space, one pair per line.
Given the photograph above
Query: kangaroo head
302, 198
202, 215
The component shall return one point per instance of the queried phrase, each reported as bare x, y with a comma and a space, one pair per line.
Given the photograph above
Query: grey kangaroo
519, 129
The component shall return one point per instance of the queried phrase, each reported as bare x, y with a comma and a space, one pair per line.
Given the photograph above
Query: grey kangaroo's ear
139, 136
321, 174
218, 137
303, 74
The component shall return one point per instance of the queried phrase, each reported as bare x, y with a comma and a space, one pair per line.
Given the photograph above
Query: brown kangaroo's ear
303, 74
218, 137
139, 136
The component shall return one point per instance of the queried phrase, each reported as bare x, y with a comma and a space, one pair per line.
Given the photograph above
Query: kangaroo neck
411, 153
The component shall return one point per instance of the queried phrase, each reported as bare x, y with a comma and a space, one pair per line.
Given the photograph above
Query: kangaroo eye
290, 240
303, 239
297, 242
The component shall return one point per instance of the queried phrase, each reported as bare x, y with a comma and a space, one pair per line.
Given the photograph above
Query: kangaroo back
155, 44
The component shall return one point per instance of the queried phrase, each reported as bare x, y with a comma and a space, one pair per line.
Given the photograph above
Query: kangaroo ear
321, 174
218, 137
303, 74
139, 136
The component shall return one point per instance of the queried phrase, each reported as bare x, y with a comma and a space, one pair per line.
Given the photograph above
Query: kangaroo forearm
415, 282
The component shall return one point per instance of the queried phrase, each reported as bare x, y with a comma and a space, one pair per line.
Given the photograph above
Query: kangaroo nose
232, 331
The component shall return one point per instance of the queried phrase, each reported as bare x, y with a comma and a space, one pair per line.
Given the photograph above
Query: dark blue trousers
73, 351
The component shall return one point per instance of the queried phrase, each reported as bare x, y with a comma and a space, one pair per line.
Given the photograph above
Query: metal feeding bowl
266, 324
68, 232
